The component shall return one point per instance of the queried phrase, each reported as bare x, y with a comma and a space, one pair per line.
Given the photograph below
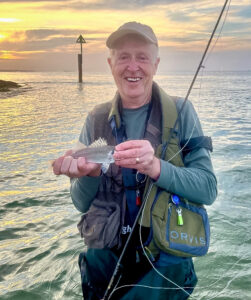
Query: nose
133, 65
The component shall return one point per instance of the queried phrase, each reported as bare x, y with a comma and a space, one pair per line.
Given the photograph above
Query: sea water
39, 240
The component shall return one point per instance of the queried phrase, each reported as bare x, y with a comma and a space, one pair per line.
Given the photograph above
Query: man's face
133, 64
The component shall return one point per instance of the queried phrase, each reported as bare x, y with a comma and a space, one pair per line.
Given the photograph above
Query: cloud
236, 27
109, 4
244, 12
180, 26
45, 34
179, 17
41, 33
52, 40
26, 45
28, 1
103, 3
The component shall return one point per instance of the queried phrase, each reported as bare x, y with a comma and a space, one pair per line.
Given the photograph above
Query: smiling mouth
133, 79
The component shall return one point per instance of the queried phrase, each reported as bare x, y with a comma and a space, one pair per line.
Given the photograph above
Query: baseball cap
144, 31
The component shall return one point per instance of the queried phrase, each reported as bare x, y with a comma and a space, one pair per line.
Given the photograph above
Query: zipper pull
180, 218
138, 198
175, 200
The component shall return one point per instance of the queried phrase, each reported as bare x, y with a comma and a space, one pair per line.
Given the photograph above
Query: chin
134, 93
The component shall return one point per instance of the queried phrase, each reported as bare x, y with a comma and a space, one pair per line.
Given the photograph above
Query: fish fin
79, 146
105, 167
98, 143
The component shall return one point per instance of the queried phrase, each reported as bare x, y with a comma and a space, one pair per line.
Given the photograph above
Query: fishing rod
195, 75
117, 274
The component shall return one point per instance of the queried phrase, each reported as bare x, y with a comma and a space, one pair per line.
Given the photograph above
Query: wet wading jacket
101, 226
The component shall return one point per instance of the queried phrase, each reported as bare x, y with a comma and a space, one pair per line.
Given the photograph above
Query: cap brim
115, 36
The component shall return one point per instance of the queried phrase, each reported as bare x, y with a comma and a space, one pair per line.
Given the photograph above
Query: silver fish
98, 152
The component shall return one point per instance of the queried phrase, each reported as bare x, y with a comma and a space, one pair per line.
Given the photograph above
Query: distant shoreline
5, 86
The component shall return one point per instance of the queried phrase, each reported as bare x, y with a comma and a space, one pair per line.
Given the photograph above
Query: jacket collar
115, 112
153, 129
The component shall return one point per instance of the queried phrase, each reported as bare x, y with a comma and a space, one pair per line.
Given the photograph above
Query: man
132, 122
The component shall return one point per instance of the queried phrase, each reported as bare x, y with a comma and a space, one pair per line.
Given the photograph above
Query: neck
135, 102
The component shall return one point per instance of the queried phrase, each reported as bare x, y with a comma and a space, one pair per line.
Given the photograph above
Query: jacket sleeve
196, 181
84, 189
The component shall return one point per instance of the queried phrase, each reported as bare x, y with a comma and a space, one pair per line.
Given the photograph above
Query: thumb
68, 152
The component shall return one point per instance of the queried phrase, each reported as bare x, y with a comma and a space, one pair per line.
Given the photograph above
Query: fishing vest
106, 123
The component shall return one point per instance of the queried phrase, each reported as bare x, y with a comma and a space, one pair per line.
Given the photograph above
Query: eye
123, 57
142, 58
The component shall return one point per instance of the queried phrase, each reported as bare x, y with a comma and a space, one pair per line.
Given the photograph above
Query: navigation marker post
80, 41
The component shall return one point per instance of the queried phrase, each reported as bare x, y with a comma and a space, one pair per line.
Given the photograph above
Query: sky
41, 35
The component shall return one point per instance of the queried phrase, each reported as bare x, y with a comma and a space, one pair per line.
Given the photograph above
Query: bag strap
169, 114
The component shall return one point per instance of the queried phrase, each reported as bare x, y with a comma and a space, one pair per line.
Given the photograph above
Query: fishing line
228, 283
195, 121
223, 275
202, 71
220, 32
201, 68
195, 288
141, 243
140, 231
149, 190
143, 286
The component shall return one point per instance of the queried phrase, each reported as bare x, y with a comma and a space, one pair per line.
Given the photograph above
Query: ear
156, 64
109, 60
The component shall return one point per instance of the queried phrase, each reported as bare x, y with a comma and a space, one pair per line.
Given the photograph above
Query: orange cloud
36, 30
7, 55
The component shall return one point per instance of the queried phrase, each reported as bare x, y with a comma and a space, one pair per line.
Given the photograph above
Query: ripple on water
40, 242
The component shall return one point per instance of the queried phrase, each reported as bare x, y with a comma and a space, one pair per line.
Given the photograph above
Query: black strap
195, 143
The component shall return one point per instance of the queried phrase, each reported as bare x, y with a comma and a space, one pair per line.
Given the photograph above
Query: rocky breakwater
5, 86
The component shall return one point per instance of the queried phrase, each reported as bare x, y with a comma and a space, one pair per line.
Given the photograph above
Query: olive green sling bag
177, 225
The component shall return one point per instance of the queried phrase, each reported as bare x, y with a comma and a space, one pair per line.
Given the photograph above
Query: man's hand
138, 154
67, 165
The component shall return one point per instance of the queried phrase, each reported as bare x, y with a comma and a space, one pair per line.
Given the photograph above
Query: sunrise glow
42, 35
9, 20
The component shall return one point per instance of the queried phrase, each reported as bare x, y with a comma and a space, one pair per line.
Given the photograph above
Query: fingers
67, 165
57, 165
73, 170
136, 154
131, 154
68, 152
133, 149
139, 155
87, 168
130, 144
